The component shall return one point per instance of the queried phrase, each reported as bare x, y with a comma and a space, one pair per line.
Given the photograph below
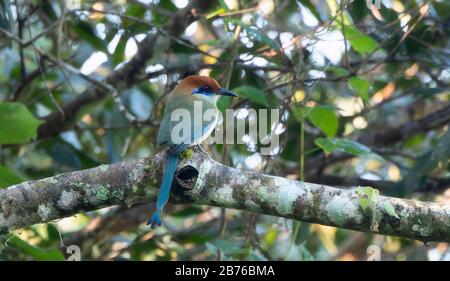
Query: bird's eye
206, 89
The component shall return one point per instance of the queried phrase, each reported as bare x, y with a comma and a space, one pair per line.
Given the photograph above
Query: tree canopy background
363, 94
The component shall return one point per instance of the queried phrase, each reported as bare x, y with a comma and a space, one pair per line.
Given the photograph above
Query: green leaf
364, 203
301, 112
223, 5
8, 177
223, 103
256, 34
426, 163
49, 10
370, 192
338, 71
168, 6
353, 147
303, 233
36, 252
311, 7
253, 94
359, 41
361, 86
17, 124
119, 52
52, 233
325, 119
344, 145
86, 32
135, 10
327, 145
226, 247
366, 196
389, 209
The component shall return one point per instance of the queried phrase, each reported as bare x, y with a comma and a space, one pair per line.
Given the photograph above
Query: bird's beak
225, 92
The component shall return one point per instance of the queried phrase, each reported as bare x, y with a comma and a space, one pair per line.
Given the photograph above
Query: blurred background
363, 94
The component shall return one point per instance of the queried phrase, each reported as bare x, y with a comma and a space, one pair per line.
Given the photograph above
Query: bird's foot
155, 220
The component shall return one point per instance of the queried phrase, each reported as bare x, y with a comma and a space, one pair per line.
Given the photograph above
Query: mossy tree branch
202, 181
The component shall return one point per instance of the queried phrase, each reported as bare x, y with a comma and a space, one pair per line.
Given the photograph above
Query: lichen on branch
200, 180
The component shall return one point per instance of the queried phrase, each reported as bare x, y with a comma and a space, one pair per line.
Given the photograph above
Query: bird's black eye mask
204, 90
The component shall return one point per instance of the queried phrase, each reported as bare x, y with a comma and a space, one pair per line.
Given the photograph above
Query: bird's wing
165, 130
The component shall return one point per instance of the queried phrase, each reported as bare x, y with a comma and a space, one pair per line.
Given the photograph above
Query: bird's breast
208, 128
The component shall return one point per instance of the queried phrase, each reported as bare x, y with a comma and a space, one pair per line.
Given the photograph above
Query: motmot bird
194, 95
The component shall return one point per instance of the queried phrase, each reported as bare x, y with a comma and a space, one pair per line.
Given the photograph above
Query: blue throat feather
164, 190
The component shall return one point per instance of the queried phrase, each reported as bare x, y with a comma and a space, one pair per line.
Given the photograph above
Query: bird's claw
154, 221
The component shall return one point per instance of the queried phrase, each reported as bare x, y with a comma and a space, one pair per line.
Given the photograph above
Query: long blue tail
164, 190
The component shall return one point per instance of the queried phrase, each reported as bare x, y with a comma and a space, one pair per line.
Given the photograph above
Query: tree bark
202, 181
